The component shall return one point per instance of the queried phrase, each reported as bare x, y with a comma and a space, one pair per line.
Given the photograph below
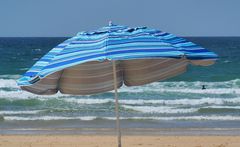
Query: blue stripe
114, 43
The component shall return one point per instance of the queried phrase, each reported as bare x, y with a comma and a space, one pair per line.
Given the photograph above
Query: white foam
211, 117
158, 89
85, 118
19, 112
89, 118
206, 91
22, 95
14, 95
8, 83
209, 101
223, 107
185, 101
88, 101
160, 109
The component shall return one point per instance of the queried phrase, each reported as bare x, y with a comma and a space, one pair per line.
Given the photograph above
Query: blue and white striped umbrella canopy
82, 64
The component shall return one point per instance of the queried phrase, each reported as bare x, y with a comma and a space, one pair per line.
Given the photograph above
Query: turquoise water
177, 102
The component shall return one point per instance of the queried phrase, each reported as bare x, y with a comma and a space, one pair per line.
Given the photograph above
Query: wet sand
110, 141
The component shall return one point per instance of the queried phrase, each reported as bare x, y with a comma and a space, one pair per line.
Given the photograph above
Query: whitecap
19, 112
160, 109
89, 118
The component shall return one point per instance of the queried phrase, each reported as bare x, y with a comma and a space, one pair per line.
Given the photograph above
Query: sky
59, 18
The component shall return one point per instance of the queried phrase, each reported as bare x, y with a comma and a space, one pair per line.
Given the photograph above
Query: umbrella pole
116, 104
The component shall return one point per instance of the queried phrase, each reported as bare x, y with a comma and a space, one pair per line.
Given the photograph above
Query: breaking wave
178, 100
89, 118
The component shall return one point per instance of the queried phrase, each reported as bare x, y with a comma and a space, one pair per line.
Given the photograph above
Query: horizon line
73, 36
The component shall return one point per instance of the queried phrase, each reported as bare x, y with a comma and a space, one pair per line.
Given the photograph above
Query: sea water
179, 102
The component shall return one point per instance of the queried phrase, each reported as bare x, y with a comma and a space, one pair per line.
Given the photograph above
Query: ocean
175, 103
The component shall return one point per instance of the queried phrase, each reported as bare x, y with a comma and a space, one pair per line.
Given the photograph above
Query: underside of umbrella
96, 77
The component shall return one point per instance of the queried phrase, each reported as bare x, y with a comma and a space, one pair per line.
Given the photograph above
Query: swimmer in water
203, 87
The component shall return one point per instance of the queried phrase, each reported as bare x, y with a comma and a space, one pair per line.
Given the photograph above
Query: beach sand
110, 141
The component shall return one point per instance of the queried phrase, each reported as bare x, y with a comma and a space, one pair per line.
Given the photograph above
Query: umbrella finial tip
110, 23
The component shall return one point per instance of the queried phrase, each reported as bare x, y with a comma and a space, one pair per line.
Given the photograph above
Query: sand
110, 141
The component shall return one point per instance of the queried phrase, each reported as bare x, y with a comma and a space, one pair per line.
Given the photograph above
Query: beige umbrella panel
97, 77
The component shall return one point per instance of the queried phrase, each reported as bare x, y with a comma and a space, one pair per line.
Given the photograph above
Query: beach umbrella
102, 60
